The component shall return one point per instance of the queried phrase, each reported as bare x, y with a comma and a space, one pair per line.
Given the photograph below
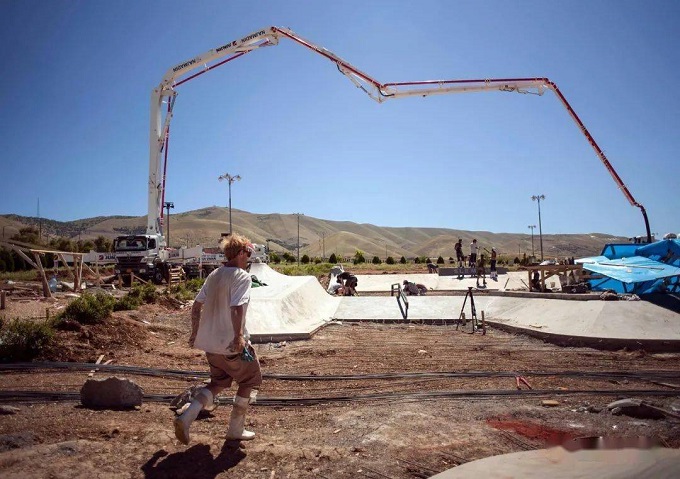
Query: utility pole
538, 198
298, 241
168, 205
39, 222
230, 179
532, 239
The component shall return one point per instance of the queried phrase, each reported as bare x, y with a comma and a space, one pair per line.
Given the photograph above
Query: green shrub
333, 259
440, 260
89, 309
417, 260
304, 259
187, 290
23, 340
359, 257
389, 260
402, 260
317, 270
126, 303
146, 293
376, 260
274, 258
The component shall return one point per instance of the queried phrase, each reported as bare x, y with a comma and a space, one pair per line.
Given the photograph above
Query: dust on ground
379, 419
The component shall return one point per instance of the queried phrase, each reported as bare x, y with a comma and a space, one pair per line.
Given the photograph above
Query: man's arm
239, 342
195, 321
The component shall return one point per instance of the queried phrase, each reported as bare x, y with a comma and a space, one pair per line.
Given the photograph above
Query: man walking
218, 327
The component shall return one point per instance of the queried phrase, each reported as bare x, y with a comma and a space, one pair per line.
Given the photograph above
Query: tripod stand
473, 316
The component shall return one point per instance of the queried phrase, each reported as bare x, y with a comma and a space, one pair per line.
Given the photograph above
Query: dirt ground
399, 422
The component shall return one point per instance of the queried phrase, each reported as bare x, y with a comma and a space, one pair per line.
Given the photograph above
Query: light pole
168, 205
538, 198
532, 239
298, 243
230, 179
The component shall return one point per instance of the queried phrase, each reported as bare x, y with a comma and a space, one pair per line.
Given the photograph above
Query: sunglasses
248, 253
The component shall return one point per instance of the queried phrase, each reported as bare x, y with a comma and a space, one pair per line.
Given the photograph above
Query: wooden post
2, 299
47, 314
77, 270
483, 324
46, 287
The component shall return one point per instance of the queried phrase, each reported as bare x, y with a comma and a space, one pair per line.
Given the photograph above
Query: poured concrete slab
558, 463
510, 281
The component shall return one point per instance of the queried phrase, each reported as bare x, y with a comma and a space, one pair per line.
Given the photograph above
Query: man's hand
238, 344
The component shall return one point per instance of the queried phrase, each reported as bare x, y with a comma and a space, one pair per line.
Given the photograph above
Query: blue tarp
634, 268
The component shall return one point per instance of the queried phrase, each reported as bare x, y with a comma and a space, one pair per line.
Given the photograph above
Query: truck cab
142, 255
260, 253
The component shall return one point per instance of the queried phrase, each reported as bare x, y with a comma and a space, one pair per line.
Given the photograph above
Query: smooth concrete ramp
558, 463
289, 307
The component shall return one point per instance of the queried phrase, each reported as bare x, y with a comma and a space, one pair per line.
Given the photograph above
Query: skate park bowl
295, 307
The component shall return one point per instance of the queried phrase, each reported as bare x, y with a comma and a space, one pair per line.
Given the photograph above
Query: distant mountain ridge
317, 236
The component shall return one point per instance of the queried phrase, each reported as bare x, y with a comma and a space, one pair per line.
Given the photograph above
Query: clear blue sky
77, 78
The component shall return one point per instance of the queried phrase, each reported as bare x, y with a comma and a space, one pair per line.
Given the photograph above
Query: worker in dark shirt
350, 281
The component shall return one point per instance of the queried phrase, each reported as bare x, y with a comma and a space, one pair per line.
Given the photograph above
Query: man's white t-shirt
225, 287
473, 248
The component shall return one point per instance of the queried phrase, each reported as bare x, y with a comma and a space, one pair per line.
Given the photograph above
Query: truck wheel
158, 276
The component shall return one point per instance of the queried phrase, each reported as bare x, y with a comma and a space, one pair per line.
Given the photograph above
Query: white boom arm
379, 92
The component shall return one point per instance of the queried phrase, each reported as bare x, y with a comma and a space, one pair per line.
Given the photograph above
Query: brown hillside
317, 235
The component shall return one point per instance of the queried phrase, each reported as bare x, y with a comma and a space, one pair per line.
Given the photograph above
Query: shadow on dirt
196, 462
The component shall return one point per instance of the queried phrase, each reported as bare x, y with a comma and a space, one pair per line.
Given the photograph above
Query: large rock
111, 393
635, 408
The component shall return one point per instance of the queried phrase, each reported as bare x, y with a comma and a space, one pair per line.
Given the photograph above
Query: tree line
11, 261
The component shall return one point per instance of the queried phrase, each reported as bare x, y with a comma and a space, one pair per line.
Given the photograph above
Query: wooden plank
23, 255
99, 360
63, 260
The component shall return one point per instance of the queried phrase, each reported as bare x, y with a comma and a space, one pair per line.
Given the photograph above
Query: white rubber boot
202, 399
238, 419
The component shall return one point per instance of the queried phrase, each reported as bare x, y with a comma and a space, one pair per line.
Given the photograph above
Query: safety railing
402, 300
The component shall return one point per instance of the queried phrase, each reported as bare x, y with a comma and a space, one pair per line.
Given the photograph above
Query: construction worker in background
350, 283
460, 257
414, 289
481, 272
218, 327
474, 247
493, 273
